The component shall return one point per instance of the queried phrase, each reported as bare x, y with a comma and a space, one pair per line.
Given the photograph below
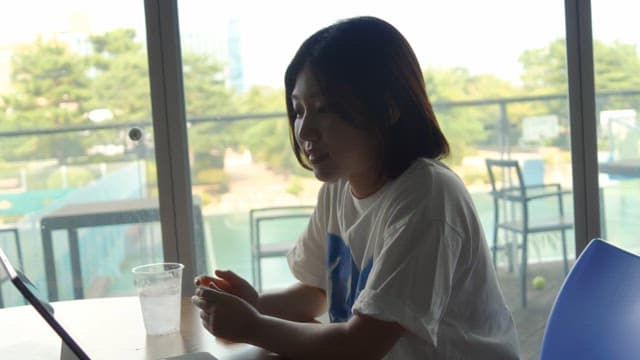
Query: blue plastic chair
596, 314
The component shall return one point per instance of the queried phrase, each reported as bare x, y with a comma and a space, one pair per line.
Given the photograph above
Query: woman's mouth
316, 158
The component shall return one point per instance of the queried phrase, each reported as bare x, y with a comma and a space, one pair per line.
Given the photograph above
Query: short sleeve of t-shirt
307, 257
411, 280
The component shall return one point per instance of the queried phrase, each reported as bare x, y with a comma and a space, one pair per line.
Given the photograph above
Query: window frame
170, 131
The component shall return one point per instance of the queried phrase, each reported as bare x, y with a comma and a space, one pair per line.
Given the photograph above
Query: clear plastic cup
159, 290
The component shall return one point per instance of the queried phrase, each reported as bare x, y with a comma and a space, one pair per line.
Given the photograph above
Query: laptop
31, 293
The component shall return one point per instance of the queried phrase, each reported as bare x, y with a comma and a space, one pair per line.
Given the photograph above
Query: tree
121, 85
206, 97
120, 76
51, 87
616, 67
545, 69
205, 90
269, 139
465, 126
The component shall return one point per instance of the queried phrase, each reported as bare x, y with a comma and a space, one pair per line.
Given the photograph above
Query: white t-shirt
414, 253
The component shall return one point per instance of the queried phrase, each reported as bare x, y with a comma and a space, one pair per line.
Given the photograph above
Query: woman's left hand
225, 315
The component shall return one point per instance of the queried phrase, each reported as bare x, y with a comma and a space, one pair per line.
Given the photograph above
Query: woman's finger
221, 284
229, 276
211, 294
212, 282
198, 301
201, 279
204, 303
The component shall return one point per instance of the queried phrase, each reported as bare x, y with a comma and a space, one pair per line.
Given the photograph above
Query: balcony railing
500, 119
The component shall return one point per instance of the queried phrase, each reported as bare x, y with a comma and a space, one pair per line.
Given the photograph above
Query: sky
484, 36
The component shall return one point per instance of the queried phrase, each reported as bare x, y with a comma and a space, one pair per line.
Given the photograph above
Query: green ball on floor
539, 283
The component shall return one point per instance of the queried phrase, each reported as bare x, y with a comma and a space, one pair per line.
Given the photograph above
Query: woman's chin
324, 175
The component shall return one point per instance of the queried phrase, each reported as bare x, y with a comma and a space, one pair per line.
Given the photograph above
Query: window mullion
170, 134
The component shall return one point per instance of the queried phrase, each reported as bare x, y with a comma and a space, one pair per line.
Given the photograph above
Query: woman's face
335, 149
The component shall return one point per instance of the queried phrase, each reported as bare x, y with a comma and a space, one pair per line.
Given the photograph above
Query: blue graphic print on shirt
345, 280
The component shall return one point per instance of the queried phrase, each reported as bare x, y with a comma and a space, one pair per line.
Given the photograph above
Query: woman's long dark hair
368, 71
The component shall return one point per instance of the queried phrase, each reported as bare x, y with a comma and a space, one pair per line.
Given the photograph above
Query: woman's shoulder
430, 174
429, 185
432, 191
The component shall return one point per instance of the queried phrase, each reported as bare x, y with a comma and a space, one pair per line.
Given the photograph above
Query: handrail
238, 117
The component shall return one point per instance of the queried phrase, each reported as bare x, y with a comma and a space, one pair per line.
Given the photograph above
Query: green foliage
464, 126
56, 87
51, 86
215, 178
616, 67
545, 69
204, 85
9, 168
262, 99
207, 94
151, 172
268, 141
119, 76
74, 177
114, 43
295, 186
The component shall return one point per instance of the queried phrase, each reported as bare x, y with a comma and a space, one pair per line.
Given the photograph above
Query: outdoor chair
512, 203
273, 231
595, 314
4, 231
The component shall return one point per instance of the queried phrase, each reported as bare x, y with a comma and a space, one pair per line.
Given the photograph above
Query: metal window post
170, 135
583, 122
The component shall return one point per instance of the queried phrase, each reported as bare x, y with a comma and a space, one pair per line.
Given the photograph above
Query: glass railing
533, 130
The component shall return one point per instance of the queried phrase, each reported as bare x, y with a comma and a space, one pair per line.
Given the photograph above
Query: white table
110, 328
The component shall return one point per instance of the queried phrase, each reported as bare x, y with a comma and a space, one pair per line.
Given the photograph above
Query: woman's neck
362, 187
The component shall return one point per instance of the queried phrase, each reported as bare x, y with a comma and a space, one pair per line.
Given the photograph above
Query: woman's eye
327, 108
324, 109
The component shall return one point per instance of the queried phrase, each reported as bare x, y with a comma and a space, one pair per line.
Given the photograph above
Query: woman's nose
306, 129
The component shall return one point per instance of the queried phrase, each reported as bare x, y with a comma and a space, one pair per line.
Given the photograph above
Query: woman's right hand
230, 282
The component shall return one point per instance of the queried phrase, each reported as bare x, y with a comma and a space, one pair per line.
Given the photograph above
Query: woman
394, 250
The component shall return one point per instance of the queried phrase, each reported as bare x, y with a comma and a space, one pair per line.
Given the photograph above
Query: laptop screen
31, 293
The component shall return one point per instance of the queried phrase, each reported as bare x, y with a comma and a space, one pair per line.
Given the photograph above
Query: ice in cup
159, 290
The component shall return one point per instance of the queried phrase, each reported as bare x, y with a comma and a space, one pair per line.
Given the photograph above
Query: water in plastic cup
159, 289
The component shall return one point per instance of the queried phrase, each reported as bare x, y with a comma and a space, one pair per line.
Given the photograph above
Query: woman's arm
362, 337
299, 302
228, 316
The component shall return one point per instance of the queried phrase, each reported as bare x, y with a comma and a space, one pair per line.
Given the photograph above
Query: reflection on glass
616, 50
73, 83
498, 83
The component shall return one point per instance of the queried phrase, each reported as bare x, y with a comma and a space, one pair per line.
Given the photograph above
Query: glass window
77, 167
616, 47
495, 72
